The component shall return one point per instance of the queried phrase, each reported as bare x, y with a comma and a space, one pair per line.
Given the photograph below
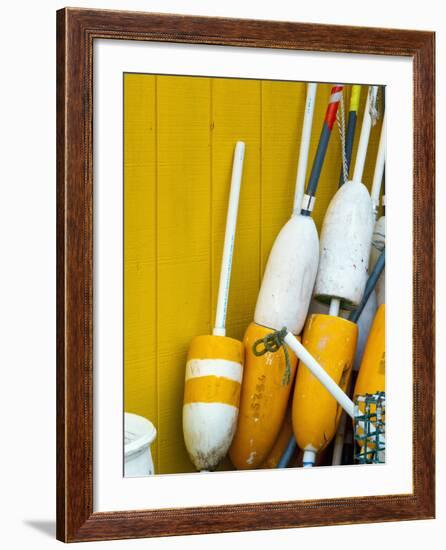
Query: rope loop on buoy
272, 342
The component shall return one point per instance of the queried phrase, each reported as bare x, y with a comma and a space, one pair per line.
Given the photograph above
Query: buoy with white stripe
214, 366
342, 276
283, 299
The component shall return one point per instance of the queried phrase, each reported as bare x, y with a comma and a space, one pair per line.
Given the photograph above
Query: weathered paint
345, 244
211, 398
262, 404
286, 431
208, 431
288, 282
316, 414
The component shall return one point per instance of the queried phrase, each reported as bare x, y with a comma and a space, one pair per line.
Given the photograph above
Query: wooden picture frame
76, 31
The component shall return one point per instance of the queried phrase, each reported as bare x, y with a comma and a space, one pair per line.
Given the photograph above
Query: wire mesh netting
370, 427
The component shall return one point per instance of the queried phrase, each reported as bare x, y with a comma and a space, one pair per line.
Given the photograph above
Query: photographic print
254, 260
224, 259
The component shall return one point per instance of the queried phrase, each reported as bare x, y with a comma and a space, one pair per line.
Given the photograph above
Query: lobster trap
370, 427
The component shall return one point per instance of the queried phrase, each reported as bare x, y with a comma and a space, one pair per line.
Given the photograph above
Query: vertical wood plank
183, 240
140, 392
236, 116
283, 105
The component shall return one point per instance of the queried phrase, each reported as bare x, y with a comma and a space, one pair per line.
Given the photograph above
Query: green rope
272, 342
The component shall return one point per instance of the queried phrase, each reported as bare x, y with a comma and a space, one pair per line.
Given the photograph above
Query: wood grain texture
140, 250
76, 30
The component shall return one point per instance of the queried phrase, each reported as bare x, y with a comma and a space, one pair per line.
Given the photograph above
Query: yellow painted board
140, 375
283, 106
236, 116
183, 245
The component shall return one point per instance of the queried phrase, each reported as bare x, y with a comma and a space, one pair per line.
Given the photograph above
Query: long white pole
304, 147
318, 371
324, 378
365, 135
228, 247
379, 168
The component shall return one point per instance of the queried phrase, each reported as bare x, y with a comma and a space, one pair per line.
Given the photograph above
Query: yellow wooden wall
179, 136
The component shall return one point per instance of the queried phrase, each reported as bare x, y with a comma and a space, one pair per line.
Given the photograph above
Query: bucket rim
143, 425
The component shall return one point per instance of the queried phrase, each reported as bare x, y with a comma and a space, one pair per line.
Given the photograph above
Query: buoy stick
330, 117
365, 135
379, 168
335, 306
371, 283
288, 453
228, 247
339, 441
318, 371
351, 129
304, 147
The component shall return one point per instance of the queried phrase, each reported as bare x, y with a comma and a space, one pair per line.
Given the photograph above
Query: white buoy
288, 281
347, 232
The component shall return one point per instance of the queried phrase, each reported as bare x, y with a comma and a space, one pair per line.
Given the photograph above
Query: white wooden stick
365, 135
228, 247
335, 306
325, 379
379, 168
304, 147
319, 372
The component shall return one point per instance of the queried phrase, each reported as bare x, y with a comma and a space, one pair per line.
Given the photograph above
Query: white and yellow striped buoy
214, 366
214, 373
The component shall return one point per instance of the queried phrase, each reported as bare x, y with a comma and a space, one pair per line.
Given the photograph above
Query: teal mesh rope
370, 428
272, 342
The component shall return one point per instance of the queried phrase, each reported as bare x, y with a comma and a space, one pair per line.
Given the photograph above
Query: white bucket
139, 434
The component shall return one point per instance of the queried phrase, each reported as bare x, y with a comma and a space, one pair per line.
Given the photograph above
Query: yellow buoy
263, 402
286, 431
316, 414
372, 372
